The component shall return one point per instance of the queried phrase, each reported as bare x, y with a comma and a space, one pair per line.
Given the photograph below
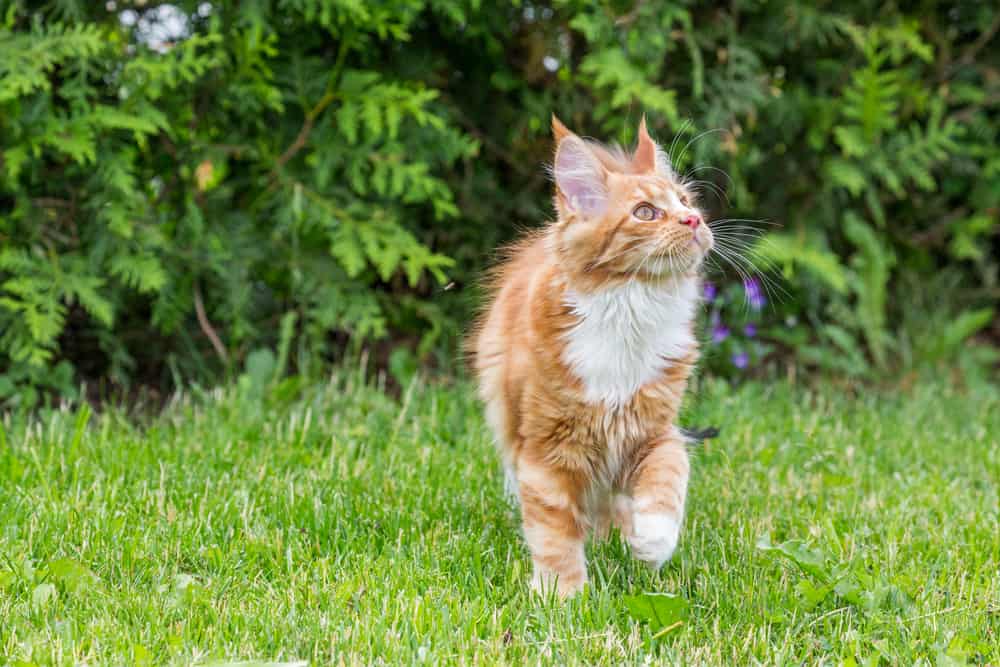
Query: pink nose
691, 221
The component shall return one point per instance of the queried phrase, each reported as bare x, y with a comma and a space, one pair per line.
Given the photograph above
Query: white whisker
670, 151
703, 134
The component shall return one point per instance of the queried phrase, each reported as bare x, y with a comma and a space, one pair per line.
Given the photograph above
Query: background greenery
185, 185
247, 191
348, 527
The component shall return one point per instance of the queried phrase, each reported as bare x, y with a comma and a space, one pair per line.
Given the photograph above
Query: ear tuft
580, 178
663, 163
559, 131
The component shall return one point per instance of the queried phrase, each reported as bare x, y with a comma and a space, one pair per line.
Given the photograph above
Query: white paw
654, 537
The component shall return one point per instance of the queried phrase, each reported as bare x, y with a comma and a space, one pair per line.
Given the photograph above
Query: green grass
342, 525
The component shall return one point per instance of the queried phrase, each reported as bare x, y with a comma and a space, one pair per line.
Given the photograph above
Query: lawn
335, 523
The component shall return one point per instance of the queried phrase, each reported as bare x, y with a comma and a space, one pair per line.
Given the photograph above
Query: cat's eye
645, 212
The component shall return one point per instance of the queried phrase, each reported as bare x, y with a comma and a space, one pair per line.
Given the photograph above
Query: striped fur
583, 356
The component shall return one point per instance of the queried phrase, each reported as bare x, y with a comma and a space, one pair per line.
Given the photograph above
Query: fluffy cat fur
584, 352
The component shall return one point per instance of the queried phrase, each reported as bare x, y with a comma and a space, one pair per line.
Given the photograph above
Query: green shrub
265, 162
177, 179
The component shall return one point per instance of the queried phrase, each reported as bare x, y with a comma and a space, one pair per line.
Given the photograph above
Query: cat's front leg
550, 511
659, 489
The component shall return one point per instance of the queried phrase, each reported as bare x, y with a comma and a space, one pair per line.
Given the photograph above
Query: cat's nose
692, 221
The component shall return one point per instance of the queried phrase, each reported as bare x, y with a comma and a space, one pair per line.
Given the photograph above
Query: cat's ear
559, 131
649, 157
581, 181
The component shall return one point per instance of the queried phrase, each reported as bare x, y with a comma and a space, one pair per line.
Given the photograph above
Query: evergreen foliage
178, 179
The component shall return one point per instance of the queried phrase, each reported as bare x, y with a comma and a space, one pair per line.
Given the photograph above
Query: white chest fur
627, 335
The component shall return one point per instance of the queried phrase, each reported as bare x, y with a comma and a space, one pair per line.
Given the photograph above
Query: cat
583, 354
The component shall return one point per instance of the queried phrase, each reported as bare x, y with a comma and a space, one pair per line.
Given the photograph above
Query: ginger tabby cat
584, 354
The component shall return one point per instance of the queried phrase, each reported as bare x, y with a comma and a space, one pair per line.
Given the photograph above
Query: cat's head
624, 216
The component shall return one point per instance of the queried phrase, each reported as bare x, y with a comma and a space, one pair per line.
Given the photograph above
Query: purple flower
710, 291
755, 294
720, 332
741, 360
750, 330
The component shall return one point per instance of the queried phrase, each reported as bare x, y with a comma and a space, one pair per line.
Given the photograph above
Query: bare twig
206, 327
969, 55
964, 115
313, 114
630, 17
937, 232
307, 126
499, 151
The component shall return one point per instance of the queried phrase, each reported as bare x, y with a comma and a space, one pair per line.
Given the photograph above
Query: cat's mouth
705, 245
677, 256
671, 262
702, 237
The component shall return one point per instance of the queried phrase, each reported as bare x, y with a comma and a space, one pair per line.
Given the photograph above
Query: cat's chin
674, 267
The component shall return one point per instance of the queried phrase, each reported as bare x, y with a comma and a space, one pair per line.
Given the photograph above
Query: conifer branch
307, 126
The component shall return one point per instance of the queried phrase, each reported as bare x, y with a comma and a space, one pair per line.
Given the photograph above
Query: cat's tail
699, 435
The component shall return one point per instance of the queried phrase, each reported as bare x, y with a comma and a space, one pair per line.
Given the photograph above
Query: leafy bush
257, 162
177, 179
